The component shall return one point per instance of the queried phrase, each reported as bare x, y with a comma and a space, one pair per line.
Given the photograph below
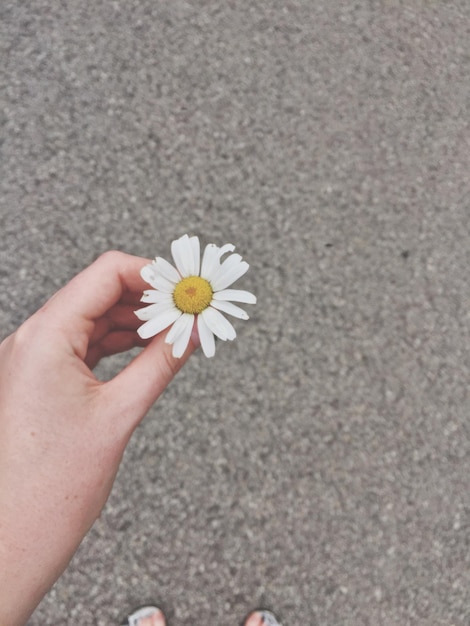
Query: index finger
92, 292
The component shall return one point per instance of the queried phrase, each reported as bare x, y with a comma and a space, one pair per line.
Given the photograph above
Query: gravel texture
320, 465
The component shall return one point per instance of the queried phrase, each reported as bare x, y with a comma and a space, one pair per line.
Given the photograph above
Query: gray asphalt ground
320, 464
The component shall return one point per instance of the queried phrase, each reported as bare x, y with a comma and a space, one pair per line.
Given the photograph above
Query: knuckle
111, 257
21, 342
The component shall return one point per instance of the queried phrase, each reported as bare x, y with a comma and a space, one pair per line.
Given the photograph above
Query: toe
254, 619
147, 616
157, 619
262, 618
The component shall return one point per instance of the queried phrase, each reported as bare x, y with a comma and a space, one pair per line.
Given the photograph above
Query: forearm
42, 522
37, 541
26, 574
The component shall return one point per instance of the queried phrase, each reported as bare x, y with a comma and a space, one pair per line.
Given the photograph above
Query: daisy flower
193, 290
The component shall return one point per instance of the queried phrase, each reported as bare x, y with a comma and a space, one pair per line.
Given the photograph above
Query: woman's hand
62, 431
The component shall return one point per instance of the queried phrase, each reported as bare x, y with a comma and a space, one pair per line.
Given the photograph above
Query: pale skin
63, 432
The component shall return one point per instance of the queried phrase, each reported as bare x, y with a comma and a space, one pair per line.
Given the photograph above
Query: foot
151, 616
261, 618
147, 616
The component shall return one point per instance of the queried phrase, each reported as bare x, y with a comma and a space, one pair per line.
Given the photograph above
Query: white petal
227, 247
206, 337
178, 327
196, 248
231, 309
211, 258
165, 269
182, 252
231, 261
154, 309
235, 295
159, 323
151, 296
181, 342
218, 324
149, 274
229, 272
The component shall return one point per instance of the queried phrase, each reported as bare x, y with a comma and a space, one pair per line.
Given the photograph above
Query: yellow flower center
192, 294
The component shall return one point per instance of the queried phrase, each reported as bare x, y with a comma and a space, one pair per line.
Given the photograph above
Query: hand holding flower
62, 431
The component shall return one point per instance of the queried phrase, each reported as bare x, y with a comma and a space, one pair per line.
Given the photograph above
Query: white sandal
145, 611
269, 619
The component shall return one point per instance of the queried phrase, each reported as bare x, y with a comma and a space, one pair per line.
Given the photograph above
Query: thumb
134, 390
